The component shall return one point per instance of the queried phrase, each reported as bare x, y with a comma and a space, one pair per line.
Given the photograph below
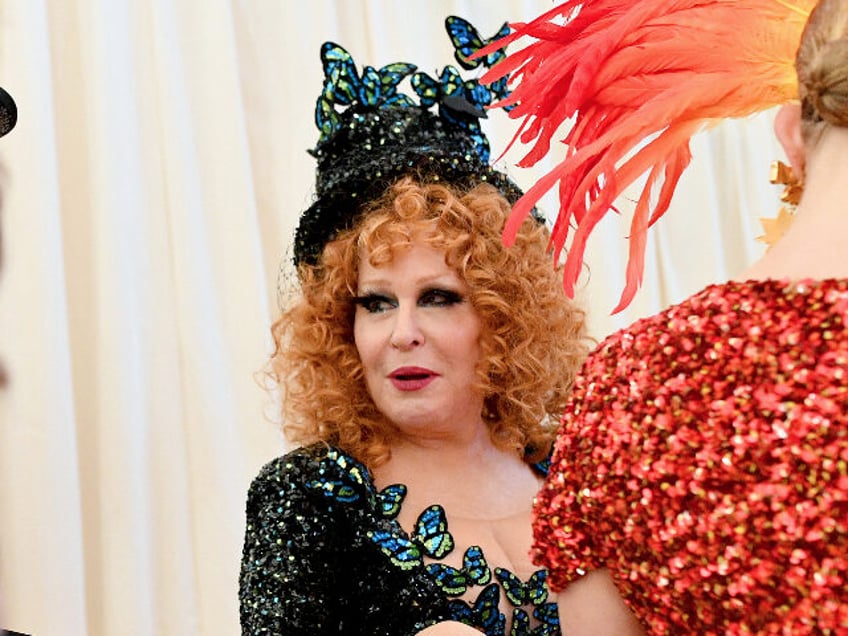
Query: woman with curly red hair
317, 360
424, 367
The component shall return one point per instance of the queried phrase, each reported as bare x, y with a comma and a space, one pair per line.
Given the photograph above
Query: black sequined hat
371, 134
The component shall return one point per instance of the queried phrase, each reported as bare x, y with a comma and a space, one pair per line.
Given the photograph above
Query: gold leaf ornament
775, 228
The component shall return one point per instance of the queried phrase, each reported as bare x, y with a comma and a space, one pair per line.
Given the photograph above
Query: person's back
707, 452
701, 473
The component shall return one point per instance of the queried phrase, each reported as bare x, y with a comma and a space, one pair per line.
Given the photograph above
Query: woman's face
419, 341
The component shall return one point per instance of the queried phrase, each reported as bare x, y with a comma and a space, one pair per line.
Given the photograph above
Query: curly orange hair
533, 338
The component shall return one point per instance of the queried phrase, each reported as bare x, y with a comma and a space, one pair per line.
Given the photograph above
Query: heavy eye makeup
377, 302
374, 303
439, 297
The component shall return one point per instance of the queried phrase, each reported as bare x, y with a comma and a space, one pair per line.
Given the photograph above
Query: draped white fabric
150, 191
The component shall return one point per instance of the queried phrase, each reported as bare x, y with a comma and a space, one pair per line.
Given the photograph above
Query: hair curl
533, 341
822, 65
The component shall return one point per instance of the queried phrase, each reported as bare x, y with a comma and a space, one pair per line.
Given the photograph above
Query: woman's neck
473, 445
464, 476
816, 243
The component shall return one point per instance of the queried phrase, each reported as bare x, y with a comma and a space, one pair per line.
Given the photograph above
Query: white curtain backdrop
150, 191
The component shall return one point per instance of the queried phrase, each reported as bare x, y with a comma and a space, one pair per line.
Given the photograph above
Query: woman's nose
406, 332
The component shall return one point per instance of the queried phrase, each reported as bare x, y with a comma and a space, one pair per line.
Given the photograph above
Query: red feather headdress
637, 78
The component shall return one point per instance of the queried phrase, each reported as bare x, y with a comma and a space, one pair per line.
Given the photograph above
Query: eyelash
372, 303
378, 303
446, 297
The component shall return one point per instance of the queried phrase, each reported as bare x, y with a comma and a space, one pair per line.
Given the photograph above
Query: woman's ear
787, 127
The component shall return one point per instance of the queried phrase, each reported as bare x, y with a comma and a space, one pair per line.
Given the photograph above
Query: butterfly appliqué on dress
430, 537
455, 582
483, 612
548, 618
343, 478
533, 592
390, 500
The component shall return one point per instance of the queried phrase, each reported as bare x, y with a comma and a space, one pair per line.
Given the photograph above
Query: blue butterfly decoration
484, 612
335, 488
467, 41
534, 591
344, 86
548, 623
454, 582
432, 91
548, 618
390, 499
345, 488
520, 623
430, 537
462, 97
544, 466
460, 102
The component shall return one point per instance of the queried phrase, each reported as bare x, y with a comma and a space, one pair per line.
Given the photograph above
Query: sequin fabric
324, 554
704, 462
373, 149
8, 112
372, 133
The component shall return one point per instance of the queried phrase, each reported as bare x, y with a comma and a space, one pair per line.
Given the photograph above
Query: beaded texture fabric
704, 462
324, 554
372, 132
8, 112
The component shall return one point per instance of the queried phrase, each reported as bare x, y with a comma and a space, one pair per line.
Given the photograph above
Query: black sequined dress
324, 554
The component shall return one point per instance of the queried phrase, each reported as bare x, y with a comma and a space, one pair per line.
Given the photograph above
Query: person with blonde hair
699, 483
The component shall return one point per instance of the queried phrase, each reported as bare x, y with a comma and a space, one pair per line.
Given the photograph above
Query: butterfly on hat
467, 41
344, 86
464, 102
461, 102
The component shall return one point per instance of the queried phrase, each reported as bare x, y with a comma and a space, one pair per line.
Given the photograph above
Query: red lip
411, 378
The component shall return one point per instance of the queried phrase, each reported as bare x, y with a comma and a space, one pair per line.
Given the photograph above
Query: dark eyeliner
370, 301
448, 296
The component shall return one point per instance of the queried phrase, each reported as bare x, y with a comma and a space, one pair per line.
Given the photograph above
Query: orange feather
635, 80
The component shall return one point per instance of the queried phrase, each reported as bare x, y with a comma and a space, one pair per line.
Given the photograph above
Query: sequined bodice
324, 554
704, 462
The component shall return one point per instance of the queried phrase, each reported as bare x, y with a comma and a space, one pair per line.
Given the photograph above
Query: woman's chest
480, 566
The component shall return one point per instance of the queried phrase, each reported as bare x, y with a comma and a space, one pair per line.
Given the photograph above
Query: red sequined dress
704, 462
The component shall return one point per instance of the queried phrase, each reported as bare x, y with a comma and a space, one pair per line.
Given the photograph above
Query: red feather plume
635, 80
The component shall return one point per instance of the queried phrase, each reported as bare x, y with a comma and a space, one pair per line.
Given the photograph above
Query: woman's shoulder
315, 456
723, 342
319, 469
737, 310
